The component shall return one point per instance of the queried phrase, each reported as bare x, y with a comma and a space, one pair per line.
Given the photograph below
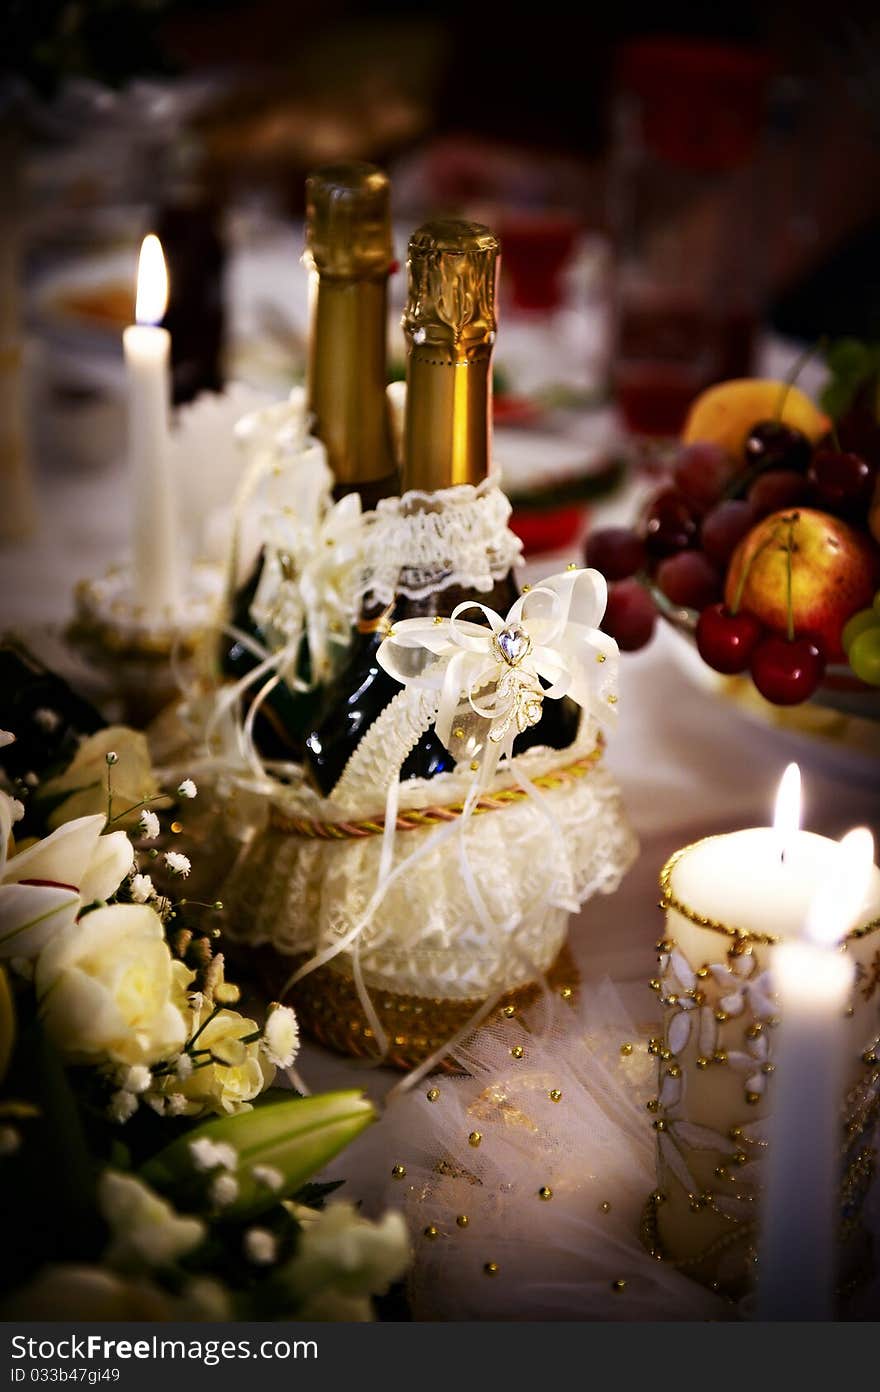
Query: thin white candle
147, 350
801, 1200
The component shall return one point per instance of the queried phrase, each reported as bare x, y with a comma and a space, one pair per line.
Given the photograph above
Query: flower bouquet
156, 1170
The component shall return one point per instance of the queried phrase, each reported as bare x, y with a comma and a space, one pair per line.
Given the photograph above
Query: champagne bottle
349, 256
449, 323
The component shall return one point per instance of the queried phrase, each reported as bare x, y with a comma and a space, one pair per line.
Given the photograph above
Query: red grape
841, 480
670, 524
776, 490
785, 672
702, 473
630, 615
726, 641
617, 552
724, 528
689, 579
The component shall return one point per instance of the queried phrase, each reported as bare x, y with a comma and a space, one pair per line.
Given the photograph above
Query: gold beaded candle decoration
728, 900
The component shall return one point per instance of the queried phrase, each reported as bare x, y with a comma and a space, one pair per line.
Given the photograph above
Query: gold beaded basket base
329, 1011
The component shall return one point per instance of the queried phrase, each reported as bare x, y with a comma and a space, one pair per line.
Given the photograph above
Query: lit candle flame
152, 282
787, 816
835, 906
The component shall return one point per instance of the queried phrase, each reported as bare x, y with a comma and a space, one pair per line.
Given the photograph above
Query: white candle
801, 1200
154, 524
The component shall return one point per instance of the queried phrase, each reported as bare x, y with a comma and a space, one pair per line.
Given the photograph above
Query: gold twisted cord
416, 819
741, 935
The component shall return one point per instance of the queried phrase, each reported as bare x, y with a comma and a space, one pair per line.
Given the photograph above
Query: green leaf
297, 1136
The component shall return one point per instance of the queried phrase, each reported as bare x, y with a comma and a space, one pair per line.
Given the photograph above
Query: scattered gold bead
600, 657
604, 1206
432, 1094
545, 1192
626, 1050
870, 1058
572, 565
566, 993
459, 734
525, 589
398, 1172
177, 827
474, 1138
849, 1012
702, 1063
509, 1011
555, 1095
653, 1104
490, 1269
612, 700
754, 1031
768, 1068
664, 945
474, 765
720, 1172
666, 1055
438, 619
702, 973
673, 1071
721, 1016
671, 999
659, 1125
741, 1157
658, 1197
517, 1051
654, 1046
462, 1220
735, 1132
698, 997
654, 984
431, 1232
753, 1098
719, 1056
618, 1285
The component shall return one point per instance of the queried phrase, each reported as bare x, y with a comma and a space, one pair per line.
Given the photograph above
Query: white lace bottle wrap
715, 1088
532, 868
424, 542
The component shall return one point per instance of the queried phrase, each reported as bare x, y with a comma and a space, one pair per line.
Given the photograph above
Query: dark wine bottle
349, 256
450, 327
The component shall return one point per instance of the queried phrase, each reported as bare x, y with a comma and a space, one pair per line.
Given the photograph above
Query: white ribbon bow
500, 672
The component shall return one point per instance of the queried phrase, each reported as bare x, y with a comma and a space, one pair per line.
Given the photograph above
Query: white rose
144, 1228
107, 987
43, 888
240, 1072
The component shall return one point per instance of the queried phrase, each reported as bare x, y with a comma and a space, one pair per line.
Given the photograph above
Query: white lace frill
531, 865
456, 536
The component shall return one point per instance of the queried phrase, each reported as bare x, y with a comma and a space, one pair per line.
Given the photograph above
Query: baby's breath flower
142, 889
123, 1105
31, 779
176, 1104
178, 864
16, 808
260, 1246
6, 737
183, 1067
47, 719
187, 789
149, 825
268, 1176
137, 1078
224, 1190
212, 1155
280, 1040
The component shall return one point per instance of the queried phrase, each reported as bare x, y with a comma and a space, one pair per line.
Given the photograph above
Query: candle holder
715, 1088
147, 660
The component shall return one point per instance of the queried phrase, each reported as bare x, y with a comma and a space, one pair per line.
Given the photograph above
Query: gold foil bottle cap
348, 222
452, 270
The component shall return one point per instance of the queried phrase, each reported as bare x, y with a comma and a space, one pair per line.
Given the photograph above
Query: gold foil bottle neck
452, 270
348, 222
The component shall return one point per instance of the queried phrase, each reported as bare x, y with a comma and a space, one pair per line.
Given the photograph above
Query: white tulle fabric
456, 536
557, 1258
425, 936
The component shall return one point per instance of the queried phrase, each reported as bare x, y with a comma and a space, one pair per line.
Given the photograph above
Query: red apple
834, 572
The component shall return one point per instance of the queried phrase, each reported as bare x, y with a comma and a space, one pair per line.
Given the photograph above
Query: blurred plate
844, 741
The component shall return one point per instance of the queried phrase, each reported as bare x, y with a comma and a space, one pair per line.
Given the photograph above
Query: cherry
725, 640
842, 481
771, 444
670, 524
787, 671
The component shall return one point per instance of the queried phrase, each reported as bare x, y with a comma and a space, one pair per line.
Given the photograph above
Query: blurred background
682, 196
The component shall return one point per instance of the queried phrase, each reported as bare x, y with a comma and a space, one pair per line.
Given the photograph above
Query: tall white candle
147, 350
801, 1201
